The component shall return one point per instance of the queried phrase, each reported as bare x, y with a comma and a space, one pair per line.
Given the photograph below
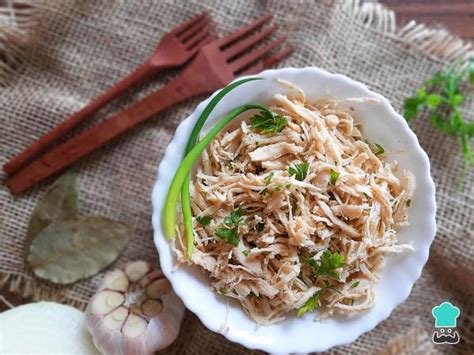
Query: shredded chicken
288, 223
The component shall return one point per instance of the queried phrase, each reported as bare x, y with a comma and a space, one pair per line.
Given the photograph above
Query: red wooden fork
216, 64
175, 48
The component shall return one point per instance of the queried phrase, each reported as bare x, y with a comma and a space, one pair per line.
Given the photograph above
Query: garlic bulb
134, 312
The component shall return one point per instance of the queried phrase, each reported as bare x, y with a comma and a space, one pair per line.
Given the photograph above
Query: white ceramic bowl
381, 124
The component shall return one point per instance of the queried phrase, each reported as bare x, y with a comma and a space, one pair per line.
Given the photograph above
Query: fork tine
196, 27
206, 40
247, 43
198, 37
178, 30
243, 31
247, 59
276, 58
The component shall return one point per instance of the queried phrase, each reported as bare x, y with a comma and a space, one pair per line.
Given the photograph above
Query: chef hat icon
445, 315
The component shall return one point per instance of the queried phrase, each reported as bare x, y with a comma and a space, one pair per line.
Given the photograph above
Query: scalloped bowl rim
209, 307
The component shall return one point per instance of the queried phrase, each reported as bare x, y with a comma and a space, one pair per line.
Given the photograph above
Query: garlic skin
135, 311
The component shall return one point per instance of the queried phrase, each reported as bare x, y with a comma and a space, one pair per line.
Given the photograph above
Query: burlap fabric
79, 48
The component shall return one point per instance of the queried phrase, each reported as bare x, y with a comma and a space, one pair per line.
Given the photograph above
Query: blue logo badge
445, 316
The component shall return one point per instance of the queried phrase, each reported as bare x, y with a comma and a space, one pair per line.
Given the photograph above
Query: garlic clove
116, 280
134, 326
107, 301
153, 275
158, 288
158, 331
139, 319
115, 320
151, 308
136, 270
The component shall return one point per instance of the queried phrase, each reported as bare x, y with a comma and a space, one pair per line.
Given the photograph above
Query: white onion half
44, 327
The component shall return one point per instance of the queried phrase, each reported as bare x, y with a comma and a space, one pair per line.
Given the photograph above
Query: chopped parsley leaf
231, 236
245, 252
263, 192
268, 123
268, 178
310, 305
355, 284
377, 149
235, 218
330, 262
408, 203
300, 171
260, 227
333, 176
327, 265
204, 220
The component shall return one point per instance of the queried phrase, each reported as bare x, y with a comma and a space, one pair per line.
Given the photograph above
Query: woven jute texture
80, 48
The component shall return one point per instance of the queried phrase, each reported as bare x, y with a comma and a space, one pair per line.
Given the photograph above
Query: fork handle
90, 140
140, 74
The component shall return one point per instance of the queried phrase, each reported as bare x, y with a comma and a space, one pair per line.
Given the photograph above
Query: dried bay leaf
59, 202
70, 250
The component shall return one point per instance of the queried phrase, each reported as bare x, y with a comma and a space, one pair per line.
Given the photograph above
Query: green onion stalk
182, 174
185, 200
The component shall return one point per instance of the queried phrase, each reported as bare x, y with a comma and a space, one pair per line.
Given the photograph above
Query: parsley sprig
327, 265
268, 123
235, 217
300, 171
441, 96
313, 302
233, 220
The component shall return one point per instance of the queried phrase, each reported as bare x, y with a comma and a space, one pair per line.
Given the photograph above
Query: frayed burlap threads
437, 43
17, 22
32, 290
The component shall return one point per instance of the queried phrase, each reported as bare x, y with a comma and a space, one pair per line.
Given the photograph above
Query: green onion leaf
245, 252
260, 227
185, 199
182, 174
